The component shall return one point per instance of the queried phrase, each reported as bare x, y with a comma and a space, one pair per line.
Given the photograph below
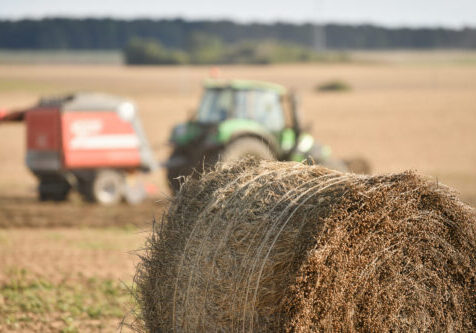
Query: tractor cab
229, 109
254, 101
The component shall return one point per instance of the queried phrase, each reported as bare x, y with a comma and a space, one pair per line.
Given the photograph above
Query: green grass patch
27, 300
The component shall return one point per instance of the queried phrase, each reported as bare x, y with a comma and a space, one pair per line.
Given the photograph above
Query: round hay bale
271, 246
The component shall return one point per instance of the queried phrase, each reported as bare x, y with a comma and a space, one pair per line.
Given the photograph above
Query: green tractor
239, 118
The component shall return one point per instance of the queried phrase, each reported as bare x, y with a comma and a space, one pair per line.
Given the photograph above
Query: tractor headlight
305, 143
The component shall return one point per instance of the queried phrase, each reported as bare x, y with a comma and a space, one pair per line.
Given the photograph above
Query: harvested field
267, 246
400, 114
397, 115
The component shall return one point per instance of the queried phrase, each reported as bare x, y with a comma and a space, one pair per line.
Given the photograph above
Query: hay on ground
270, 246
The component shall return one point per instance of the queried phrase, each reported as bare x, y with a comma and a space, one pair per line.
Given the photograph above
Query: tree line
208, 49
177, 34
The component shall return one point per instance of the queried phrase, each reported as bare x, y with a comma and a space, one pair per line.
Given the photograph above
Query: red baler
88, 141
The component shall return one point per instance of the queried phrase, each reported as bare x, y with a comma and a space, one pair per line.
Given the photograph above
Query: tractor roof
245, 85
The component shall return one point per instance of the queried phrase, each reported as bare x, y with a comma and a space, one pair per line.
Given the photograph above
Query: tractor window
215, 106
268, 110
242, 109
262, 106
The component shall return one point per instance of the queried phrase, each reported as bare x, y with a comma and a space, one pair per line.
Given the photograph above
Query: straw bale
280, 246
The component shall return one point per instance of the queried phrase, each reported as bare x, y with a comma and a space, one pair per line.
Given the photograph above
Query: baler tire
53, 191
106, 188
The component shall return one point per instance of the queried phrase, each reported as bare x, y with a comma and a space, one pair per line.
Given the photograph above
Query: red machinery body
91, 142
43, 139
43, 130
62, 138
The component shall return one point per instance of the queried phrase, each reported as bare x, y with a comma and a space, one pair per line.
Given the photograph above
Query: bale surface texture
272, 247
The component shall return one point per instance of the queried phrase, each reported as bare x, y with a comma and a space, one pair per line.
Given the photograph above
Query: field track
22, 212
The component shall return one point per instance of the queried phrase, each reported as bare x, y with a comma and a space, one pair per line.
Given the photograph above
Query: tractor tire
174, 172
173, 179
243, 147
106, 188
315, 157
334, 164
237, 149
358, 165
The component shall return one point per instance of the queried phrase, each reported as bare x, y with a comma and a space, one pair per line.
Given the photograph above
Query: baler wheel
106, 188
53, 189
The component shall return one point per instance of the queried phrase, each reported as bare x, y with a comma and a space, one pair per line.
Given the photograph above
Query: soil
27, 211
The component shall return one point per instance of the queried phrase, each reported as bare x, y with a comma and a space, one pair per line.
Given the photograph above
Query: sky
392, 13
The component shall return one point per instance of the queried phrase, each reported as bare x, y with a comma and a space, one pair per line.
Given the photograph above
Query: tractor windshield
216, 106
262, 106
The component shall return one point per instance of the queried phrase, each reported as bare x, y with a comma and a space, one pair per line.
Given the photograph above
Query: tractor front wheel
247, 146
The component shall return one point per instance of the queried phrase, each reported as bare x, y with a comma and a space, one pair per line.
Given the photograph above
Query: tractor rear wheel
177, 168
235, 150
247, 146
316, 157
